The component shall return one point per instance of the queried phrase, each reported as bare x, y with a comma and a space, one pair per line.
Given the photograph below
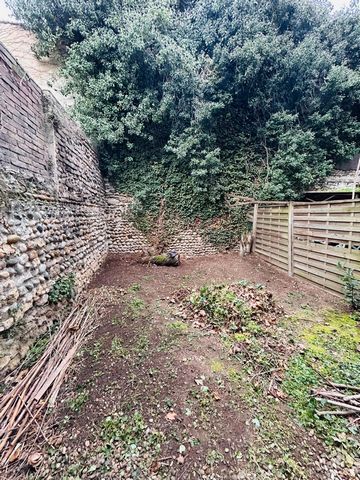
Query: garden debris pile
24, 407
228, 306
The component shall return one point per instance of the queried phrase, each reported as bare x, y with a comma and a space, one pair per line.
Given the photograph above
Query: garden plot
211, 370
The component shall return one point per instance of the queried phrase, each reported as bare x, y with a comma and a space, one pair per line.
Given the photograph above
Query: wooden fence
310, 240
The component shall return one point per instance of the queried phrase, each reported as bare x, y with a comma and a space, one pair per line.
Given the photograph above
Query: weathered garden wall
52, 208
124, 237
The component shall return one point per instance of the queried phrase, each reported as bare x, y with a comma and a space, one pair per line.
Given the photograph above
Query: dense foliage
196, 101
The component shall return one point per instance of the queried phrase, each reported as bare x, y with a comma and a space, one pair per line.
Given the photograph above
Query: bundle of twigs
22, 409
343, 403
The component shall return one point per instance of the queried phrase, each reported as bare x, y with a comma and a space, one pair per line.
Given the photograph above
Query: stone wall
55, 217
52, 208
189, 243
124, 237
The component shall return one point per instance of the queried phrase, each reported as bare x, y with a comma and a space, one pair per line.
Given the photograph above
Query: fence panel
310, 240
324, 236
272, 234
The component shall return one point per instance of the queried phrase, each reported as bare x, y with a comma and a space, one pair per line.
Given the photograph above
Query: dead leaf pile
228, 306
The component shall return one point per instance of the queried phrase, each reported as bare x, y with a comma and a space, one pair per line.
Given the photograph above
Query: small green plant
351, 287
221, 305
95, 350
63, 289
76, 404
117, 348
213, 457
142, 345
178, 327
130, 435
118, 321
135, 307
135, 287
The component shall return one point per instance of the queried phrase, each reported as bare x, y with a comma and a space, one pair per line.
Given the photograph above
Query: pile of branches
228, 306
23, 409
341, 402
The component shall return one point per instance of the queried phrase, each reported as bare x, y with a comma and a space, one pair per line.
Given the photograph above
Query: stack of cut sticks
345, 399
23, 409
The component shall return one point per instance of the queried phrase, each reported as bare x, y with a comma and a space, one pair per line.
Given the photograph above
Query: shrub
351, 288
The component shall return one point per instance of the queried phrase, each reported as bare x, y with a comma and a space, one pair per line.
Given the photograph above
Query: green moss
217, 366
159, 259
178, 326
330, 354
333, 344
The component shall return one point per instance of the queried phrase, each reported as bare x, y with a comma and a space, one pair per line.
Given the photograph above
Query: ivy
63, 289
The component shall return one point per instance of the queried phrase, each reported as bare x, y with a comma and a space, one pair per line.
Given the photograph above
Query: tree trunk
171, 259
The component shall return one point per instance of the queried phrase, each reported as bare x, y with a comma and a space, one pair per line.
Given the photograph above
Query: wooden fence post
290, 238
255, 215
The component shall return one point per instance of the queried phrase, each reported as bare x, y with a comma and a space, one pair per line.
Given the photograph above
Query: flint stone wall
52, 208
124, 237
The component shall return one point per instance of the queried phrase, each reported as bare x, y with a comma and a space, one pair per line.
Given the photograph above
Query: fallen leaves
171, 416
224, 306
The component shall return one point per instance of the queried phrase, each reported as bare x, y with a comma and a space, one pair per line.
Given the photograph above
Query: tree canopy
198, 100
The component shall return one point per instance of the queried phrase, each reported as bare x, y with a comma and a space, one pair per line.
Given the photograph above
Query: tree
194, 101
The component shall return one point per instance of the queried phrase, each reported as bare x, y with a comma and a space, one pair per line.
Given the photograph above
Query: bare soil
182, 380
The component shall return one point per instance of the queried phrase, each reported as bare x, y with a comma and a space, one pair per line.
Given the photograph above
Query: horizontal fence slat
282, 242
329, 227
268, 213
278, 254
318, 272
332, 202
333, 237
272, 221
272, 231
274, 259
268, 228
274, 249
337, 209
329, 263
279, 213
335, 218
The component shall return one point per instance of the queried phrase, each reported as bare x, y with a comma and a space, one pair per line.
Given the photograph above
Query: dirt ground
152, 397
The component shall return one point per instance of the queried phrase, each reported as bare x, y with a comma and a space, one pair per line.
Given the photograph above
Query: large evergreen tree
196, 100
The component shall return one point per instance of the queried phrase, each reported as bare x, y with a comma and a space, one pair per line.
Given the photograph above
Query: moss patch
331, 354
